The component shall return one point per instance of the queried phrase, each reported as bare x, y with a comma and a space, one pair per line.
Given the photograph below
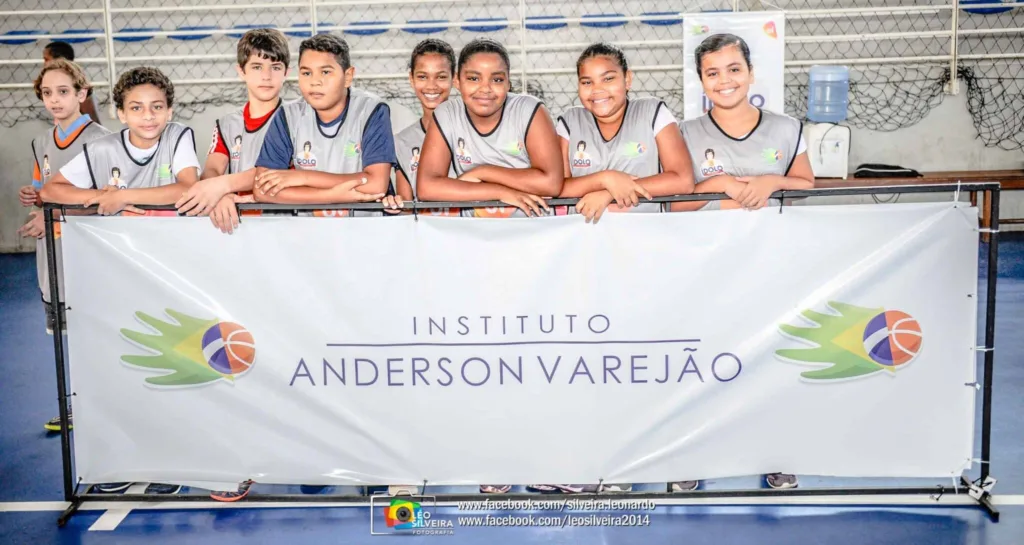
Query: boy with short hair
263, 60
63, 88
63, 50
152, 162
338, 139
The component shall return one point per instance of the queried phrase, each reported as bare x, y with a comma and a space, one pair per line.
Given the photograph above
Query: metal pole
312, 18
58, 349
522, 42
990, 334
953, 87
108, 30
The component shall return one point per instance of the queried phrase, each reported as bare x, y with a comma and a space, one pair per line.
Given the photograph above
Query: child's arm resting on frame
433, 183
345, 192
676, 177
60, 191
546, 173
759, 188
112, 202
325, 188
203, 196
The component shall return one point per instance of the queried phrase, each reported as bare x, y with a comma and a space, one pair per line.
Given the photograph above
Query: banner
764, 32
823, 340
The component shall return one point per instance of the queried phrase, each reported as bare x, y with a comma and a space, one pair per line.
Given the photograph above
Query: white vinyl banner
824, 340
764, 32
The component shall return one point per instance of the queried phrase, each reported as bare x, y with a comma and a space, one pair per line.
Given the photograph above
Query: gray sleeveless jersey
111, 164
505, 146
338, 154
243, 146
51, 157
408, 143
769, 149
632, 150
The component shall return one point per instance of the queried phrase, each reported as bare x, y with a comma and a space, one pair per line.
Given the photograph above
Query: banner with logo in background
764, 32
825, 340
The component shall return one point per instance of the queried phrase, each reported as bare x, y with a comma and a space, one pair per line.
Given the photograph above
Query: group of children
336, 146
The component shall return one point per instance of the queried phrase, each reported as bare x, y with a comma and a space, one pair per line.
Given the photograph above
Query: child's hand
623, 188
28, 195
271, 182
592, 205
393, 204
225, 215
467, 177
529, 204
35, 227
112, 202
757, 192
202, 197
348, 192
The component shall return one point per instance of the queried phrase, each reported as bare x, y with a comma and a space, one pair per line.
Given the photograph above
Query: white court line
109, 520
895, 500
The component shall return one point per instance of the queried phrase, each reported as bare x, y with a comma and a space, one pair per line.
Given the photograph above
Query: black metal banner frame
977, 489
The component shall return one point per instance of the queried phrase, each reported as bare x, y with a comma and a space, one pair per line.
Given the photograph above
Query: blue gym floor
31, 490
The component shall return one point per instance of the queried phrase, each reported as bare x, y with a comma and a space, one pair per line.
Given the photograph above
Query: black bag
873, 170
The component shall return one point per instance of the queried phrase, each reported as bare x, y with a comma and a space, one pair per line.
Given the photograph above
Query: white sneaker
403, 490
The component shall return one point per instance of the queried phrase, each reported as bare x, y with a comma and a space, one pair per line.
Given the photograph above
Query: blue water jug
827, 94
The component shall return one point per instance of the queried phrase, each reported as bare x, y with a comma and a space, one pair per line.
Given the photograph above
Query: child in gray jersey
431, 71
736, 148
740, 150
509, 151
63, 89
616, 148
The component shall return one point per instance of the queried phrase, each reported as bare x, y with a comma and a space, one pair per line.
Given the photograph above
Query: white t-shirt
77, 169
662, 120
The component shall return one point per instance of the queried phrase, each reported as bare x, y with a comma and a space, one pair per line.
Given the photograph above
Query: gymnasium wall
900, 53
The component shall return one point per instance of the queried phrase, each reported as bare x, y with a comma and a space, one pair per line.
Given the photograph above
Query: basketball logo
848, 341
229, 348
892, 338
187, 351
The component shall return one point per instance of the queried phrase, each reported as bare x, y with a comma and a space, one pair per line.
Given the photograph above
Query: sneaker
684, 486
110, 488
495, 488
555, 488
403, 490
233, 495
163, 489
54, 423
781, 481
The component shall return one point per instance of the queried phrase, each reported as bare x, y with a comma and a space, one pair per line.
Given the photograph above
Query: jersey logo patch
236, 150
414, 161
305, 159
711, 166
115, 179
514, 148
163, 172
581, 159
461, 155
46, 166
771, 155
633, 149
352, 149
